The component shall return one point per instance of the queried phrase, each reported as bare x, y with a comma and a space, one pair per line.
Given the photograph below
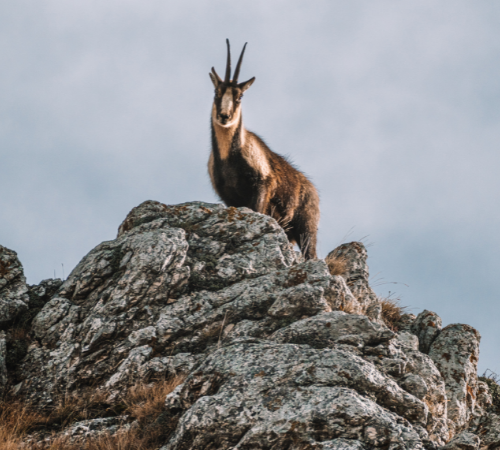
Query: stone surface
13, 289
326, 329
489, 431
426, 327
436, 398
463, 441
141, 295
80, 431
356, 273
41, 293
276, 352
406, 322
266, 395
455, 353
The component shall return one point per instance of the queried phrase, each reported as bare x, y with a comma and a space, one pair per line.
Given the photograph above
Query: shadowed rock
13, 289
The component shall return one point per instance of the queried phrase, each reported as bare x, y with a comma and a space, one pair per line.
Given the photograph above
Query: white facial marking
227, 102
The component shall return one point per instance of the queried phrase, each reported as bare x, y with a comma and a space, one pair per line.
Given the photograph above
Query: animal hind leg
305, 234
305, 226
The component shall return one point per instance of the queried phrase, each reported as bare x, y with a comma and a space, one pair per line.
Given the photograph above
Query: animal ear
214, 76
214, 80
246, 84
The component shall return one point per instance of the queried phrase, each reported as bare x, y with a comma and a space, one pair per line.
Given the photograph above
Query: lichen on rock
275, 352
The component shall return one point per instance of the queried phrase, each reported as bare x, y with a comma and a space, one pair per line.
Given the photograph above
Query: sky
391, 108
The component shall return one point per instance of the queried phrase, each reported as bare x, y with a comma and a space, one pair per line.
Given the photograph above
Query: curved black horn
238, 66
228, 64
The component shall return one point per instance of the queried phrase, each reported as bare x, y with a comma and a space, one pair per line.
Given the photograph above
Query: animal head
228, 93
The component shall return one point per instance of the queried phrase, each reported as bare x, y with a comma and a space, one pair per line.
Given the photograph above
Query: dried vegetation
392, 312
337, 265
143, 406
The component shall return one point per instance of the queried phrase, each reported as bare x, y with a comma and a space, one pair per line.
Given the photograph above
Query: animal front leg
260, 201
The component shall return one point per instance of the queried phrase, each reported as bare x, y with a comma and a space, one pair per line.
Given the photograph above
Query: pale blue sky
392, 108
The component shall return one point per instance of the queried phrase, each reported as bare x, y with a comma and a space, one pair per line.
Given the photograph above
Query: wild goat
245, 172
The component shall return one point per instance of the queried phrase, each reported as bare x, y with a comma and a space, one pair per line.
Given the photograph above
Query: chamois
245, 172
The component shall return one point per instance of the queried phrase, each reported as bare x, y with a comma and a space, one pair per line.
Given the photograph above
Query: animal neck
226, 136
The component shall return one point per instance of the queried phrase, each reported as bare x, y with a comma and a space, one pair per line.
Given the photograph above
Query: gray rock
341, 444
455, 353
407, 341
142, 294
415, 385
406, 322
374, 311
92, 428
463, 441
263, 395
422, 365
43, 292
426, 327
356, 274
277, 352
489, 430
3, 356
13, 289
168, 366
323, 330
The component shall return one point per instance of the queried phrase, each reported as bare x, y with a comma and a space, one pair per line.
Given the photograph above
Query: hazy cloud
392, 108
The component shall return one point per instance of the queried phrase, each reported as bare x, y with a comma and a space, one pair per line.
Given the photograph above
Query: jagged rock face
138, 299
456, 353
463, 441
13, 289
267, 395
272, 359
354, 256
489, 430
426, 327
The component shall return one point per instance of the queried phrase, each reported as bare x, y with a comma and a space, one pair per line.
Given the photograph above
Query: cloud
391, 108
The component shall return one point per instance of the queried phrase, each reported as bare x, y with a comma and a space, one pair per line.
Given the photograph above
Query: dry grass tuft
16, 420
349, 308
337, 265
143, 402
124, 440
392, 312
73, 407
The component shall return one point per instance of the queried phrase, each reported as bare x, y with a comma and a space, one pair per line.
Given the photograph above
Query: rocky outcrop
350, 261
456, 353
13, 289
463, 441
426, 327
488, 429
255, 394
275, 352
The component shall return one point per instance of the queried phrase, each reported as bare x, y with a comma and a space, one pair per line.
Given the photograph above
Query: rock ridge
273, 352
